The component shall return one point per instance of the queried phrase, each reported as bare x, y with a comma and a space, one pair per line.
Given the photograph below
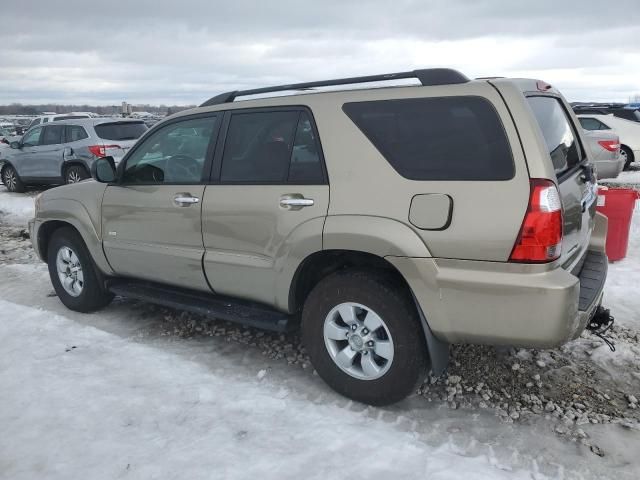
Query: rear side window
592, 124
120, 130
75, 133
557, 132
446, 138
52, 135
258, 147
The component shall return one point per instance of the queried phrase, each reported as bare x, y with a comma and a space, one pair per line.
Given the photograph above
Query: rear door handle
295, 201
185, 200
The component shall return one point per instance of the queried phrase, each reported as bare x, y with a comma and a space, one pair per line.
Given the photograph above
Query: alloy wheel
358, 341
70, 271
73, 177
10, 179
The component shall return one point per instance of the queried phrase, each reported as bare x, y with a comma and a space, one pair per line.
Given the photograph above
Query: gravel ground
565, 385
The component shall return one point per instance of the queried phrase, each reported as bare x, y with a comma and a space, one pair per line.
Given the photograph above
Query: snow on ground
148, 392
15, 208
630, 177
78, 402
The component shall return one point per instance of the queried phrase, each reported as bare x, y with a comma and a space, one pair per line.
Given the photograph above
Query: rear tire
627, 154
75, 174
365, 377
11, 179
75, 278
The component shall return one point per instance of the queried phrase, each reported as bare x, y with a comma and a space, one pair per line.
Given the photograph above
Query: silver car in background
63, 152
605, 150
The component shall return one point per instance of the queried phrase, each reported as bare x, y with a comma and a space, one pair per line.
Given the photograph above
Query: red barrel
617, 205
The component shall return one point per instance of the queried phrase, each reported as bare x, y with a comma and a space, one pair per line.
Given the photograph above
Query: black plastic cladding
427, 77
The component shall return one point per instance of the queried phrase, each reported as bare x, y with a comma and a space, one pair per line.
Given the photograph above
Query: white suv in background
57, 117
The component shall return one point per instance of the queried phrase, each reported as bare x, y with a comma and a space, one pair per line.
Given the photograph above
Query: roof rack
427, 77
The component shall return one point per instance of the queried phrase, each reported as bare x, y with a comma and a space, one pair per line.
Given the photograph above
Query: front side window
443, 138
32, 137
52, 135
258, 147
557, 132
169, 156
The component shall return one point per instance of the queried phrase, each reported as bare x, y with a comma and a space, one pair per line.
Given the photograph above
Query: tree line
20, 109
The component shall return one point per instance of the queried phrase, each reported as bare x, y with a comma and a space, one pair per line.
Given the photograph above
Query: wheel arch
60, 213
73, 163
326, 262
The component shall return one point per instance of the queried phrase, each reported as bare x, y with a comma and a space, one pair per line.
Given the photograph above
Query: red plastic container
617, 205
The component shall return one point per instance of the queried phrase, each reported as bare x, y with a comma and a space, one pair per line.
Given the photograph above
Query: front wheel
11, 179
364, 337
74, 276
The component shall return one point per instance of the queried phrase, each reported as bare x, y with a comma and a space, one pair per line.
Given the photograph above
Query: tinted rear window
447, 138
557, 132
120, 130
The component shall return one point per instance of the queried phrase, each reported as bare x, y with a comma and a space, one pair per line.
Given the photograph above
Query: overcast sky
183, 52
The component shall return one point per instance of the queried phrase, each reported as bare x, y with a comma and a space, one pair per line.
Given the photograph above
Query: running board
209, 305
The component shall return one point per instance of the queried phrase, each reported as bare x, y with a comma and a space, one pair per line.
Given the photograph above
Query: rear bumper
508, 304
609, 168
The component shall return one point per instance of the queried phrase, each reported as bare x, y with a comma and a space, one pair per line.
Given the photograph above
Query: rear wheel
627, 155
11, 179
364, 337
75, 174
75, 278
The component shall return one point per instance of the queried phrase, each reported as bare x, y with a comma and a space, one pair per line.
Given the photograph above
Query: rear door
571, 164
118, 137
268, 200
152, 218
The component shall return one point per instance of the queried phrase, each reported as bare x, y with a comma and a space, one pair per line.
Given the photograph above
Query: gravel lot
578, 384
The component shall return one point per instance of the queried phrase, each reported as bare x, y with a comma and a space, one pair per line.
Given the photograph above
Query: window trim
211, 148
572, 124
216, 168
485, 99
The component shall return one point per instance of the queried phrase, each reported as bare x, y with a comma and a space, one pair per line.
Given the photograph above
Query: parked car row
627, 131
64, 150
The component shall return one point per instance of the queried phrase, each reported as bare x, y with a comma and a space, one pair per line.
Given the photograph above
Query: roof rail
427, 77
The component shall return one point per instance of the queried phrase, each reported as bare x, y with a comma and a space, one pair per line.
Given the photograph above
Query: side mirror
104, 170
15, 145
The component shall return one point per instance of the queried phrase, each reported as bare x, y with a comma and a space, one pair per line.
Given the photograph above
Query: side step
209, 305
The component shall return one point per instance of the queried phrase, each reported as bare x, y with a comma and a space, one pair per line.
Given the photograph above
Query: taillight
610, 145
540, 237
101, 150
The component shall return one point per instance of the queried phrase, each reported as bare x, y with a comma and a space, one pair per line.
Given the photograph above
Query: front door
152, 217
268, 199
25, 163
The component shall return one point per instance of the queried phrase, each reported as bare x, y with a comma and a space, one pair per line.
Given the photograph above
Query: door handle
295, 201
185, 200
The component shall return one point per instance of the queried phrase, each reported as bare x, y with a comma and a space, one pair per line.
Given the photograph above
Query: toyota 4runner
385, 223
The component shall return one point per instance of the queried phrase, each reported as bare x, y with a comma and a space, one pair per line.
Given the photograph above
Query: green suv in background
385, 223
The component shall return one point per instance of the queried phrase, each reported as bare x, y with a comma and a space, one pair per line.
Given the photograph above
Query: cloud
184, 52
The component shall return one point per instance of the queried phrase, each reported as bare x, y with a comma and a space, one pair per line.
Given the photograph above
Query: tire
377, 294
628, 156
87, 292
11, 179
75, 174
